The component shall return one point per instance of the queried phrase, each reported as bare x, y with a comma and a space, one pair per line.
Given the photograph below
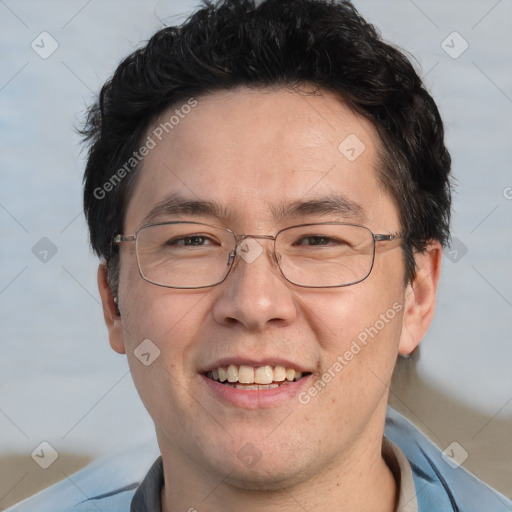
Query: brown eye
318, 240
191, 241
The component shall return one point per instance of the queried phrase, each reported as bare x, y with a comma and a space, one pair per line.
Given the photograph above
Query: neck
360, 480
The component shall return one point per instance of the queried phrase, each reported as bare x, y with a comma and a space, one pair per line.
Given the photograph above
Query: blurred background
61, 384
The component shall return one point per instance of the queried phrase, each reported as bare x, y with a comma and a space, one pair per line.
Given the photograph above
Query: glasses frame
377, 237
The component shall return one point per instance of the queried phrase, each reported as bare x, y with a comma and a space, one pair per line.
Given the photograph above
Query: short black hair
289, 43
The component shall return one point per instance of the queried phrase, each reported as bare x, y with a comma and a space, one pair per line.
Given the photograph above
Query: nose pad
231, 258
250, 250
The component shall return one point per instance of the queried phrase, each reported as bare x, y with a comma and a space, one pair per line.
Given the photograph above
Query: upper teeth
249, 375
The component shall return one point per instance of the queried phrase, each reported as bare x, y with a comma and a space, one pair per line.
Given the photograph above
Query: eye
192, 241
319, 240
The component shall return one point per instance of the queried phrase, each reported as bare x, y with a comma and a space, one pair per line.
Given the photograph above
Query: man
268, 189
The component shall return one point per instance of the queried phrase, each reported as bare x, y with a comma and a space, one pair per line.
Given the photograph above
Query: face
256, 154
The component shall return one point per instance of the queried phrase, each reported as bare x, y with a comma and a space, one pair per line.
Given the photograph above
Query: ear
420, 298
110, 312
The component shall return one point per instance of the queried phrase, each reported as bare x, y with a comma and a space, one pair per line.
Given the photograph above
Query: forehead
256, 152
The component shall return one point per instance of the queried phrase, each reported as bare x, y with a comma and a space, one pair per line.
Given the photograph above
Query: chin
272, 470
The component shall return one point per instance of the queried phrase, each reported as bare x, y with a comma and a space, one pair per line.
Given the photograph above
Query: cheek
358, 329
152, 312
161, 335
163, 323
358, 332
343, 316
168, 318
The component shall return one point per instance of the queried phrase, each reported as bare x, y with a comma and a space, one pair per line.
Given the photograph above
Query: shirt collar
148, 494
402, 471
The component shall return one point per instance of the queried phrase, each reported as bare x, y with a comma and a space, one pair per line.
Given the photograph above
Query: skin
252, 150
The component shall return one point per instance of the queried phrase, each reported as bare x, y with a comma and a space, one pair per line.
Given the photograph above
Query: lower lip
256, 398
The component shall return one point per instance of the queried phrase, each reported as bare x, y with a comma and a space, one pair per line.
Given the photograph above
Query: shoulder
441, 484
107, 484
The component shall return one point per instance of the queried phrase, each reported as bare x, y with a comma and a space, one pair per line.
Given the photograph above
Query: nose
255, 294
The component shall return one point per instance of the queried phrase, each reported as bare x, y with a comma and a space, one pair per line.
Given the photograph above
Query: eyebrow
334, 204
179, 205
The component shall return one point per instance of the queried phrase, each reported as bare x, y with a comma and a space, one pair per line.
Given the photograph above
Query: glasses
189, 255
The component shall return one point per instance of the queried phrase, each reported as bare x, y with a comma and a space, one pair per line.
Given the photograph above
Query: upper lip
274, 361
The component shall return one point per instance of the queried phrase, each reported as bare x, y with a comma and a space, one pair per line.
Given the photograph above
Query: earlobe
420, 298
110, 311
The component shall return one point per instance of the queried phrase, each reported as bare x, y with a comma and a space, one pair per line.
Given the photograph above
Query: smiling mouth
251, 378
